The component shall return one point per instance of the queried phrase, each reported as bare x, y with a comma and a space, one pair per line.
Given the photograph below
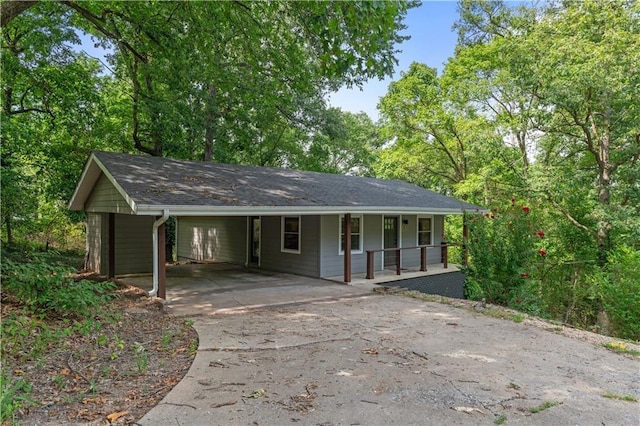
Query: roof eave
181, 210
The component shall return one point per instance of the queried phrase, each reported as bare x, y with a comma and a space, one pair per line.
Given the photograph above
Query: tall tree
588, 83
252, 70
446, 140
556, 80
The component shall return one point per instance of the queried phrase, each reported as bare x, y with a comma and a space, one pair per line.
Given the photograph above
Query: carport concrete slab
219, 288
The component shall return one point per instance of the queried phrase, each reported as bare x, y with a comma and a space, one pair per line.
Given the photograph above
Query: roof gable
154, 183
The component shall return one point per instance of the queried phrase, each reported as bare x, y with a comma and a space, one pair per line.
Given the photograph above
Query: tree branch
98, 23
569, 217
11, 9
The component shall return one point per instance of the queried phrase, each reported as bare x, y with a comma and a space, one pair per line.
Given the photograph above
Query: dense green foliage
46, 288
505, 248
42, 292
540, 102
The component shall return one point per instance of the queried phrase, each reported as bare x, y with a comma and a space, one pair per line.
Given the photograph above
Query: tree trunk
210, 124
7, 223
604, 197
605, 169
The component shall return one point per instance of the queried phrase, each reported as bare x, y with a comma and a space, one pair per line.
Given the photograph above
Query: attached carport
220, 288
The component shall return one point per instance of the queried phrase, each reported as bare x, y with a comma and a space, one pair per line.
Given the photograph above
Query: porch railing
444, 257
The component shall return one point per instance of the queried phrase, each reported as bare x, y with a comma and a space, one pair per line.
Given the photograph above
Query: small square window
291, 234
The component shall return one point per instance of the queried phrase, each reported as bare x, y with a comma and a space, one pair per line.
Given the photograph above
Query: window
356, 234
291, 234
424, 231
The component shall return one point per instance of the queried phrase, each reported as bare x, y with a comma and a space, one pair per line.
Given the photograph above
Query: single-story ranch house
270, 218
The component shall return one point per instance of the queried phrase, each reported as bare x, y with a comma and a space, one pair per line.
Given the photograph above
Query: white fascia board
156, 210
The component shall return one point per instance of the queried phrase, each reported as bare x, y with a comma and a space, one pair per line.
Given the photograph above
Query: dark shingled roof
156, 181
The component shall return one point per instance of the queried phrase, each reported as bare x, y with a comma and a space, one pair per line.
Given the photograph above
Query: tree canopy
224, 81
537, 111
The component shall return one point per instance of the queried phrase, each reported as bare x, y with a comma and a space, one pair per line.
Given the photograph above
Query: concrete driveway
380, 359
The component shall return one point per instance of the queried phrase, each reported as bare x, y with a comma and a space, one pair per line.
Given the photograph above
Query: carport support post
111, 267
347, 248
162, 263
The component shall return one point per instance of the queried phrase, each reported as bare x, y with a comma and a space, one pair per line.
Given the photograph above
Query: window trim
430, 230
282, 233
360, 217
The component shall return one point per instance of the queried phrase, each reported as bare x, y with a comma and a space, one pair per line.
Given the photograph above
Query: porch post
423, 258
162, 262
111, 268
347, 248
370, 263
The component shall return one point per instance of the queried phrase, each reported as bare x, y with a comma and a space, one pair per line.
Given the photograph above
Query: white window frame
361, 234
418, 229
282, 232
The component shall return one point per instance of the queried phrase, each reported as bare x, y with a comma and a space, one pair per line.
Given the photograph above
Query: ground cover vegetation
536, 117
77, 348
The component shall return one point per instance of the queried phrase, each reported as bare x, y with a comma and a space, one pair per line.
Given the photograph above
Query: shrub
14, 395
503, 246
619, 290
45, 288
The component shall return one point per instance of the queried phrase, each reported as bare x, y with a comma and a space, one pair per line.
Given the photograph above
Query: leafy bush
619, 291
46, 288
568, 294
503, 247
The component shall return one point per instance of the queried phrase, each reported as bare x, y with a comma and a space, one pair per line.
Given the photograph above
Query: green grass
544, 406
502, 419
628, 398
516, 317
621, 348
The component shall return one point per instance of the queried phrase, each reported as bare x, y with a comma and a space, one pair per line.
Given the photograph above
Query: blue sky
432, 42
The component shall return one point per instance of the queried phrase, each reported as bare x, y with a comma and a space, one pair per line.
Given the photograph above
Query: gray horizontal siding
332, 260
106, 198
213, 238
94, 241
271, 256
134, 244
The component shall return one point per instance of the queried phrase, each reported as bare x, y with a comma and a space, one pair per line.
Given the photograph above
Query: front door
390, 240
254, 240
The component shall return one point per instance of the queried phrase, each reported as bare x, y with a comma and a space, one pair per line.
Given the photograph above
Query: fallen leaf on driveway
258, 393
223, 404
371, 351
468, 410
115, 416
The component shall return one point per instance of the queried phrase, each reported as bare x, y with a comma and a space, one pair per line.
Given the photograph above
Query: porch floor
389, 274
